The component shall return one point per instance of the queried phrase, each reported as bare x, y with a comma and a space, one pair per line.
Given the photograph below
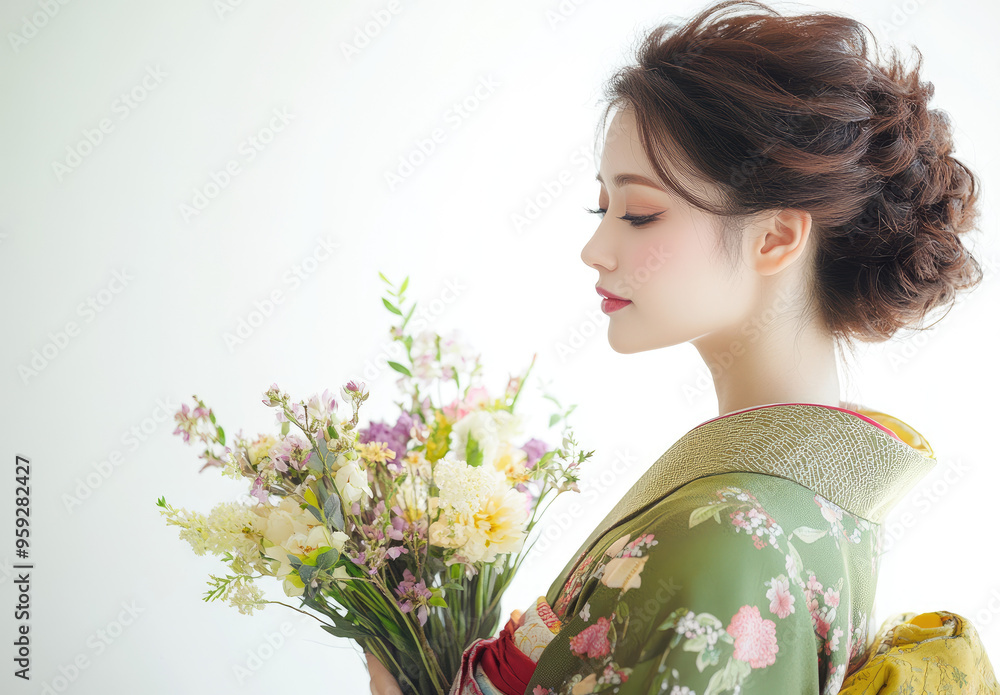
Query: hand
383, 682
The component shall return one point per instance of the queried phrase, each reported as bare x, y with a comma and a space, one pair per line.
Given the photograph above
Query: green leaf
334, 512
406, 283
437, 601
400, 368
796, 558
546, 457
473, 454
284, 427
390, 307
808, 534
211, 416
328, 559
696, 644
705, 513
315, 512
315, 463
306, 573
672, 619
384, 277
709, 657
332, 431
708, 620
554, 419
221, 433
344, 631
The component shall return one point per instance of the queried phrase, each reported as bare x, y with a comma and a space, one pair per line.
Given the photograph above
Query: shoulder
764, 507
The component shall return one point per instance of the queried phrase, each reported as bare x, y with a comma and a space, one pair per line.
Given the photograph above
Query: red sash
507, 667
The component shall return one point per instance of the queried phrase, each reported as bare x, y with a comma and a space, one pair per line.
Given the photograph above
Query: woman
769, 193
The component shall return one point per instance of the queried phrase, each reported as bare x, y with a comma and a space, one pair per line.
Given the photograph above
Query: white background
449, 224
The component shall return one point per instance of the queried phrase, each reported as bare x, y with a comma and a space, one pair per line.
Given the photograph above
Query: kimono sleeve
730, 622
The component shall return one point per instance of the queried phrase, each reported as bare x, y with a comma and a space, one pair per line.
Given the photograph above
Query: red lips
610, 295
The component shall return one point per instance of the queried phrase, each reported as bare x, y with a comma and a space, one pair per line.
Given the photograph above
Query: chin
623, 345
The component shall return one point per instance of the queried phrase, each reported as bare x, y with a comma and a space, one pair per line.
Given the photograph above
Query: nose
596, 252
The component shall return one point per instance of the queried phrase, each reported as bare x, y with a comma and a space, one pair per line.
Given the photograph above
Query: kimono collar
863, 460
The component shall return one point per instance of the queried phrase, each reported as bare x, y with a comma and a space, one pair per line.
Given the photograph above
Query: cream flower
352, 482
623, 572
617, 546
497, 527
284, 519
489, 428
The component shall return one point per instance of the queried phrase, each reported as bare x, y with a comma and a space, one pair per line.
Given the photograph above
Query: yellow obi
936, 652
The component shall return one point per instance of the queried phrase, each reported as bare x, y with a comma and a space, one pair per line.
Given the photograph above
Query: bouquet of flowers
402, 537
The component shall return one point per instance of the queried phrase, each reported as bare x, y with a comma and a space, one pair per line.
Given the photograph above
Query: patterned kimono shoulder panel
744, 560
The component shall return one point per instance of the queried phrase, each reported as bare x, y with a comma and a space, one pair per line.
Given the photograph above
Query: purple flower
395, 438
535, 448
292, 450
410, 591
258, 490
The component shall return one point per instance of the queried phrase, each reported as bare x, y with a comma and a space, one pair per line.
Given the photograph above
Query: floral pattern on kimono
734, 583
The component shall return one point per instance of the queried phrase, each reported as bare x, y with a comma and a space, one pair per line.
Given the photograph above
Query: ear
779, 240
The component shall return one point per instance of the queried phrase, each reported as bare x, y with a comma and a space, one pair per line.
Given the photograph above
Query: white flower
352, 482
463, 487
489, 428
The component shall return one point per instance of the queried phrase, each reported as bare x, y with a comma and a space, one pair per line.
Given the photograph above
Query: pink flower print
758, 542
832, 597
813, 584
782, 601
539, 690
593, 640
821, 624
755, 637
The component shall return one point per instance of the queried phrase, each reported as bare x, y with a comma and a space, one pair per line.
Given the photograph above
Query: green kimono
743, 561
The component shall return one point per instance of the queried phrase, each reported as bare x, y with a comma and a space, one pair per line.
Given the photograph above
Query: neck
758, 362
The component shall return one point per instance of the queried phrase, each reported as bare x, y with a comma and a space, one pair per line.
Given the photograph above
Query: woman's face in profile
662, 256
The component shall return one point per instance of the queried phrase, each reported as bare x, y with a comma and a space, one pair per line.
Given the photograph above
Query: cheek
666, 260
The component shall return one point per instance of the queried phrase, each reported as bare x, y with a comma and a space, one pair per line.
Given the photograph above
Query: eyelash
634, 220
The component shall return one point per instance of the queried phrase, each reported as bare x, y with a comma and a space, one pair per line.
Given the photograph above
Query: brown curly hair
791, 112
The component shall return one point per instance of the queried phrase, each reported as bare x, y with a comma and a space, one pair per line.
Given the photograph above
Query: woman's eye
640, 220
634, 220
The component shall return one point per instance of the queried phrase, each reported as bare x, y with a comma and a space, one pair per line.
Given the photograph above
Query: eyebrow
626, 179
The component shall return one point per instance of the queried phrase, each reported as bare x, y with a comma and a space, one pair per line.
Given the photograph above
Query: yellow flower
259, 447
437, 444
376, 452
623, 572
510, 461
